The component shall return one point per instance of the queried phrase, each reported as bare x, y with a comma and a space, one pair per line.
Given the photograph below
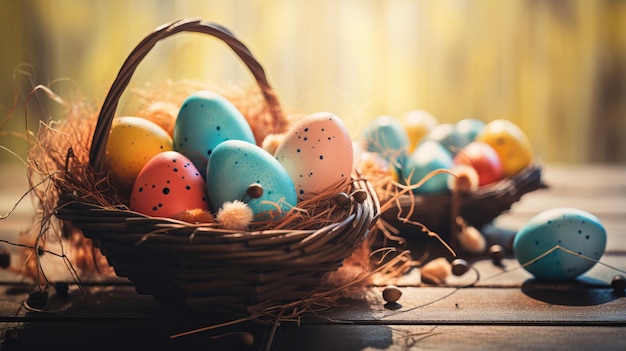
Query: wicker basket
203, 266
477, 208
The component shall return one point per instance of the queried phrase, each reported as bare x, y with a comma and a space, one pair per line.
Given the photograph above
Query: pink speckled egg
168, 184
317, 153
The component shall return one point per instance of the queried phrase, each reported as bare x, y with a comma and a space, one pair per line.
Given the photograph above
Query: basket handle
105, 117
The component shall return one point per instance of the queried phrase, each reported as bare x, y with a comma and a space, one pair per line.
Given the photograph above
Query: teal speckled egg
469, 128
387, 136
572, 229
447, 135
234, 165
429, 156
206, 119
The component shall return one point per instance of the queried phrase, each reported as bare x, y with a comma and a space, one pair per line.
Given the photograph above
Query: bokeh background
557, 68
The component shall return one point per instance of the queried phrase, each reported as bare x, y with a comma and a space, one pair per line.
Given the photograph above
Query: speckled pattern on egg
132, 142
569, 228
167, 185
429, 156
388, 137
235, 165
317, 153
206, 119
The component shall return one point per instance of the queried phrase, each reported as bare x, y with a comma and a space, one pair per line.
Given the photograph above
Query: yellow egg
511, 144
133, 141
417, 124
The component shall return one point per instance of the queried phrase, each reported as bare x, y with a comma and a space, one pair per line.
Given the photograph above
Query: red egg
484, 159
168, 184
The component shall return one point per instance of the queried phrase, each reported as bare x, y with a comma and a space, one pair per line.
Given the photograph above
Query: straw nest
326, 246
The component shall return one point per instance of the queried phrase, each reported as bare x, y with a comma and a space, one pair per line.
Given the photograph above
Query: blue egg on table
427, 157
234, 165
206, 119
578, 232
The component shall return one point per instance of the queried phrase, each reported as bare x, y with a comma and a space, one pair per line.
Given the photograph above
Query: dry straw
402, 211
301, 259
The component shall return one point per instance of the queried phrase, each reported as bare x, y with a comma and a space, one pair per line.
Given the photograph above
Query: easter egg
447, 135
317, 153
386, 136
469, 128
417, 124
234, 165
167, 185
206, 119
511, 144
427, 157
132, 142
484, 159
162, 113
577, 231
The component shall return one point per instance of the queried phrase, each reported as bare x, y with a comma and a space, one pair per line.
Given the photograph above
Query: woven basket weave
202, 265
477, 208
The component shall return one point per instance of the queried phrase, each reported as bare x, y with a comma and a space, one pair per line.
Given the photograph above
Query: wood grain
506, 309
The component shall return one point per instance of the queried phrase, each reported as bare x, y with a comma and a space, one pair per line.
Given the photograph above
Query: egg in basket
204, 197
444, 178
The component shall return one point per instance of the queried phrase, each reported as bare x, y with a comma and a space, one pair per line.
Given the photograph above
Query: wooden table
505, 310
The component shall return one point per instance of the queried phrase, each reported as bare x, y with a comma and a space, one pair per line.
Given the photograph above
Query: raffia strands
60, 154
201, 265
58, 162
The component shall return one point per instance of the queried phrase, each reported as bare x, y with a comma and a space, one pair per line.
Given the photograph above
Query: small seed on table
618, 283
391, 293
459, 267
497, 253
37, 299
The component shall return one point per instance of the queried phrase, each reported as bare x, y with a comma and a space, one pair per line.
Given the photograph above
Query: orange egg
167, 185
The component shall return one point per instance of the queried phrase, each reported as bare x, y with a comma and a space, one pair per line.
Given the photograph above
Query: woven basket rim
529, 176
479, 207
179, 262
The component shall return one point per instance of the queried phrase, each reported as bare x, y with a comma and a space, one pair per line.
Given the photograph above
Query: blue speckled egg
469, 128
427, 157
447, 135
575, 230
206, 119
234, 165
387, 136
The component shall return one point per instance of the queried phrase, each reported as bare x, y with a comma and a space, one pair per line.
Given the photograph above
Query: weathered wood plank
447, 337
499, 312
533, 303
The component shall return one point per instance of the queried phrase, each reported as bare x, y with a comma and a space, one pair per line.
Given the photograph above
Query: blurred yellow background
556, 68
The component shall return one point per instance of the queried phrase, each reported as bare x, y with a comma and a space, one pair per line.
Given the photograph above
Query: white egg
317, 153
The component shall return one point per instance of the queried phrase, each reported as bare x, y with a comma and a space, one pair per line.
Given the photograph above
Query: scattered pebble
459, 267
618, 283
391, 293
